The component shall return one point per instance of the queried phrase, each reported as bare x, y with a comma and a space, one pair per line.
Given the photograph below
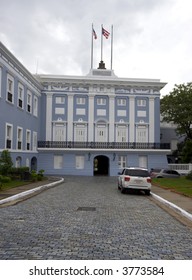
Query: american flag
105, 33
94, 34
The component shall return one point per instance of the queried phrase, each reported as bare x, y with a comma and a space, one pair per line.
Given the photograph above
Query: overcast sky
152, 38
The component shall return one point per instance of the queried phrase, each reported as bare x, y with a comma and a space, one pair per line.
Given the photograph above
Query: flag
105, 33
94, 34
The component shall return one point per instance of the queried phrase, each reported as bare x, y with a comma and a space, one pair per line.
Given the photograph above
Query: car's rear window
156, 170
137, 173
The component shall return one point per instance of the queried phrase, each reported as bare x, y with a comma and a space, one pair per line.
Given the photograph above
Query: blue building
79, 125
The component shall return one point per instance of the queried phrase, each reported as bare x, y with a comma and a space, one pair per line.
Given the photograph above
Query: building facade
79, 125
20, 101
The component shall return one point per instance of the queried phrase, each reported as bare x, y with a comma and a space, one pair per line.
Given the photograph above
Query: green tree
177, 108
5, 163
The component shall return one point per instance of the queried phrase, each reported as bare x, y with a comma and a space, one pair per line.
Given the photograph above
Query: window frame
7, 137
20, 87
10, 91
29, 102
28, 141
19, 143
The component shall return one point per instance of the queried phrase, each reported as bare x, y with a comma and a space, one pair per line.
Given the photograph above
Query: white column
132, 119
70, 118
49, 117
151, 120
91, 119
111, 118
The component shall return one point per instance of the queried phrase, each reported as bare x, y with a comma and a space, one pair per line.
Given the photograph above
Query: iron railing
101, 145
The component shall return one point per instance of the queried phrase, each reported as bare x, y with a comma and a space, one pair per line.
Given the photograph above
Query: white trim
48, 117
34, 141
146, 151
21, 129
28, 132
35, 106
151, 120
20, 86
10, 78
70, 118
91, 118
132, 119
111, 118
29, 102
11, 136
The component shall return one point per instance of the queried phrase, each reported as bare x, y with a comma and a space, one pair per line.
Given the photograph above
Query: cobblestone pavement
88, 218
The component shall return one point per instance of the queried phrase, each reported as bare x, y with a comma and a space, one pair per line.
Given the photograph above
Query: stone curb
23, 195
172, 206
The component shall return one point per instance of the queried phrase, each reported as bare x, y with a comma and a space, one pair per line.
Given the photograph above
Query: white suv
134, 178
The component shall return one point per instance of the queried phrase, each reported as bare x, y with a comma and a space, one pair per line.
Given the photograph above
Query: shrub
34, 175
189, 176
5, 163
19, 172
4, 179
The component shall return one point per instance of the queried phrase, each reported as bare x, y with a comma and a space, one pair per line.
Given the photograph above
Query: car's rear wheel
122, 190
147, 192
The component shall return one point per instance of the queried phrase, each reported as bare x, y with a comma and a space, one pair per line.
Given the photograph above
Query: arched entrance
34, 163
101, 165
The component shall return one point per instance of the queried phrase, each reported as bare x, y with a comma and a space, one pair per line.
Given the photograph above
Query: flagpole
111, 47
101, 42
92, 47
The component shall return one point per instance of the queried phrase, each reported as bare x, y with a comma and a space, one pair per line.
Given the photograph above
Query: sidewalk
179, 200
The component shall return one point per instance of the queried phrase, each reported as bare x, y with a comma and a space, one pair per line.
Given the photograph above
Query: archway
101, 165
18, 162
34, 163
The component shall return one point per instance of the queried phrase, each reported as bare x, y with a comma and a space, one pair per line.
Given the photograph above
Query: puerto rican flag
105, 33
94, 34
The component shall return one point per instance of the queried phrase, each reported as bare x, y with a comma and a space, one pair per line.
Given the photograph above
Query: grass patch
13, 184
180, 185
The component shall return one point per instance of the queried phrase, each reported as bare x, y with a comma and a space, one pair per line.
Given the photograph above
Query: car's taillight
148, 180
127, 178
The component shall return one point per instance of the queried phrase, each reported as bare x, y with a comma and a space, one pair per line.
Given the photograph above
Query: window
9, 136
143, 161
80, 162
35, 106
28, 140
60, 100
101, 133
101, 101
142, 134
80, 133
20, 95
141, 102
19, 138
29, 101
58, 162
121, 102
80, 100
122, 162
121, 134
10, 88
34, 140
59, 132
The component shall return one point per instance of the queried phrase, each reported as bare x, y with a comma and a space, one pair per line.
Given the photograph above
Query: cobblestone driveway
52, 225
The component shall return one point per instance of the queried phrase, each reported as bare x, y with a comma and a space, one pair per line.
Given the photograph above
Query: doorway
34, 163
101, 165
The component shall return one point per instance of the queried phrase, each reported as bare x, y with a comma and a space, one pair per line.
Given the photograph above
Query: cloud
151, 38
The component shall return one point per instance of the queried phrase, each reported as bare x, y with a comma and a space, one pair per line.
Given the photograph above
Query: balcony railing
101, 145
